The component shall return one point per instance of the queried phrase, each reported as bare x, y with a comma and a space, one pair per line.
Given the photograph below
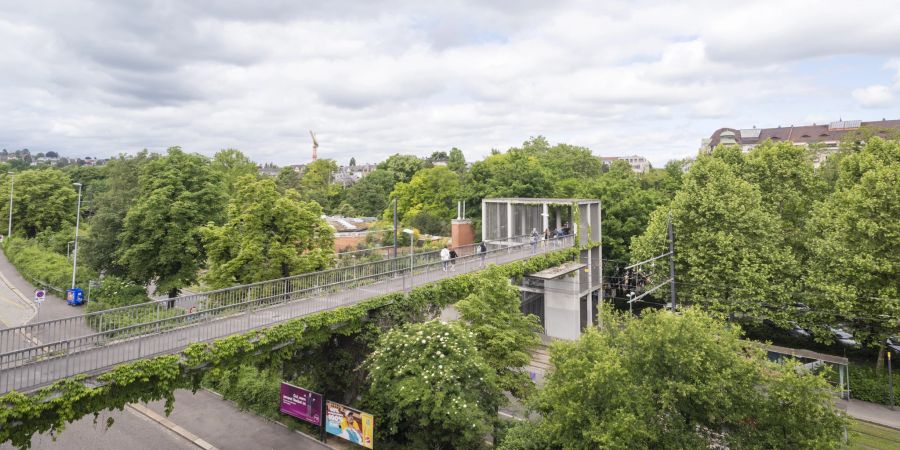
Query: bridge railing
65, 336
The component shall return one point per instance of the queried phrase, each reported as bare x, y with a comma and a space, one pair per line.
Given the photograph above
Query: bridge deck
98, 352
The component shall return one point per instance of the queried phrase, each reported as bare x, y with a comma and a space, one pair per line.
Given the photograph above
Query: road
204, 416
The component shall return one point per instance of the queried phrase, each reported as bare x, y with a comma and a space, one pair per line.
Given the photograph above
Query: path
871, 412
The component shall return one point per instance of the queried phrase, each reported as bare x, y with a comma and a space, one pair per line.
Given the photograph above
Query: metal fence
38, 354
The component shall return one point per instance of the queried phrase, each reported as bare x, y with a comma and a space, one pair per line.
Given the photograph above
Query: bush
43, 267
115, 292
869, 386
251, 389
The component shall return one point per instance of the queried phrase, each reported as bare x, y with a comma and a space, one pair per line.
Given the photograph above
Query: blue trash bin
75, 297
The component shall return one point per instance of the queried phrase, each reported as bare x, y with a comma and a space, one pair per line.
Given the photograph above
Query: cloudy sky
95, 78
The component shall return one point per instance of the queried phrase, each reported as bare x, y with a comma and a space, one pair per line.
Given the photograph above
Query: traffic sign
39, 296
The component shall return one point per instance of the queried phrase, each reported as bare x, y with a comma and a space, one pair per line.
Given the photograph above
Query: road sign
39, 296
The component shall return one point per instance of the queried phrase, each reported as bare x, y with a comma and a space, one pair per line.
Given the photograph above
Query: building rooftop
558, 271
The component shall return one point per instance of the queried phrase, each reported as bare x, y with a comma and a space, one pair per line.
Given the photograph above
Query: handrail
34, 335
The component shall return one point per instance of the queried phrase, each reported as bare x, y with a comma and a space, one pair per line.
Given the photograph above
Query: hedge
50, 408
43, 267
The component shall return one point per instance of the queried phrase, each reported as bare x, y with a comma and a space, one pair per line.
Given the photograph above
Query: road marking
25, 300
171, 426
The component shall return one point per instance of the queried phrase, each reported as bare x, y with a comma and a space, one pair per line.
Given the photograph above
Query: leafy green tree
504, 336
626, 207
111, 204
317, 185
288, 178
232, 165
430, 387
43, 200
268, 235
788, 185
352, 162
564, 161
456, 161
511, 174
404, 166
160, 240
855, 255
432, 192
675, 381
729, 250
370, 195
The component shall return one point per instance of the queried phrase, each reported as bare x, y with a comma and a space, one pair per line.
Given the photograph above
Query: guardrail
226, 311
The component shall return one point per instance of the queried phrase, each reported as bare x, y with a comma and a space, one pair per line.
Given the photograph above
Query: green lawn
864, 435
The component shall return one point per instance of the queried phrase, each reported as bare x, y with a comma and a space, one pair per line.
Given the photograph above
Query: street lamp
12, 184
77, 224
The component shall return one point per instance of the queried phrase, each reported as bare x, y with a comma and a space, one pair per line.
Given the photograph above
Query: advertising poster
350, 424
302, 404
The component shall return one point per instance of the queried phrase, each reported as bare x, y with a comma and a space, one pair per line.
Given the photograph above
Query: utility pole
672, 262
395, 227
77, 224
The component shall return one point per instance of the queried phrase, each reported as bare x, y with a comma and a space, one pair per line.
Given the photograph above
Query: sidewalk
222, 425
872, 412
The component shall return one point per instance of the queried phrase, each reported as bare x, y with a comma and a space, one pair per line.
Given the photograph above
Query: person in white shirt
445, 257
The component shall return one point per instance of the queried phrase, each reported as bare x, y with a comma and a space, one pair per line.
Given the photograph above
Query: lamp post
12, 184
77, 224
411, 242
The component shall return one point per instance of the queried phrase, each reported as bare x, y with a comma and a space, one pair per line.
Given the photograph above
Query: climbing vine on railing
50, 408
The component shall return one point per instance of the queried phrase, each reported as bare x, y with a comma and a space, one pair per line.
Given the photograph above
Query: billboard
302, 404
350, 424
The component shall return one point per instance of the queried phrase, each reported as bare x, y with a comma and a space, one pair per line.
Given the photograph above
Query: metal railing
99, 340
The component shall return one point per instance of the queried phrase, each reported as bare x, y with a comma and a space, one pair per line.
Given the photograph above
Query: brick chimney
461, 231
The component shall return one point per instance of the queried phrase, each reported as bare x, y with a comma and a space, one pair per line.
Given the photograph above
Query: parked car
893, 345
843, 337
798, 331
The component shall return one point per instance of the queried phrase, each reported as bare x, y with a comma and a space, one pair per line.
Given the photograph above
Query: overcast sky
93, 78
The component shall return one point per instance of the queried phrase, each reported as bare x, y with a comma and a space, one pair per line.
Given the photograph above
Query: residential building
639, 164
826, 137
347, 175
349, 232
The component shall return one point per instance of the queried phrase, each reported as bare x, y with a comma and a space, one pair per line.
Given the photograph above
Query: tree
626, 207
288, 178
232, 165
729, 253
111, 204
511, 174
563, 161
456, 161
431, 192
370, 195
316, 183
43, 200
504, 336
430, 387
676, 381
160, 240
788, 186
268, 235
404, 166
352, 162
854, 241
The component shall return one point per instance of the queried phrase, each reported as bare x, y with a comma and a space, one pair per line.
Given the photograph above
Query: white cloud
875, 96
374, 79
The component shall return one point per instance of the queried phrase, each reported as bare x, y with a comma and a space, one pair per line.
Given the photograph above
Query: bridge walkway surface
218, 314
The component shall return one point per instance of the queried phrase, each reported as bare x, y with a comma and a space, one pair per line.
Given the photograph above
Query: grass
864, 435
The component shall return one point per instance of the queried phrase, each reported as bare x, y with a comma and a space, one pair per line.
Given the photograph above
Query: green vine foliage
52, 407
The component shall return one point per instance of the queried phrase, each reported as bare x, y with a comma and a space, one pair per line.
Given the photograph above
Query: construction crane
315, 145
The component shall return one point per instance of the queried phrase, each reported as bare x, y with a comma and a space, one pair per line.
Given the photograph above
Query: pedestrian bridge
36, 355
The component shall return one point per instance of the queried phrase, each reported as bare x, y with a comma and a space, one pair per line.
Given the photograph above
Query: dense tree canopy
430, 387
403, 166
268, 235
730, 252
43, 200
370, 196
675, 381
854, 240
232, 165
456, 161
430, 193
111, 205
505, 337
160, 239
